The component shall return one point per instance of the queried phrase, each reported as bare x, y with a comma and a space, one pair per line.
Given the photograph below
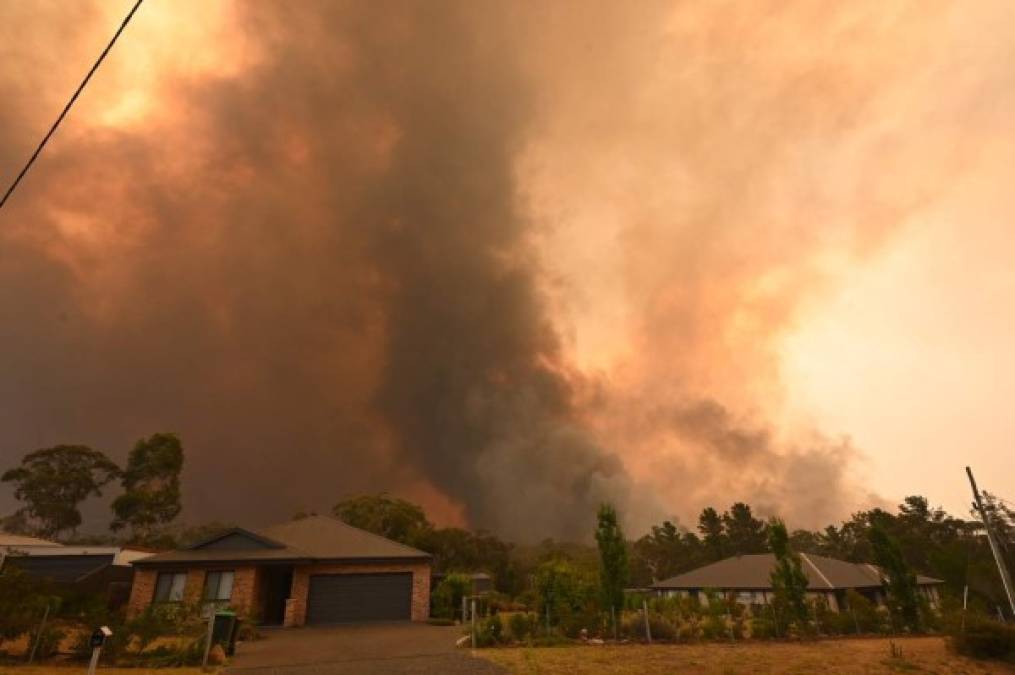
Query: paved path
399, 648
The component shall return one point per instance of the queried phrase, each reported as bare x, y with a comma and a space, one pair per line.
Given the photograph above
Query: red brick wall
245, 596
245, 592
142, 590
248, 588
301, 586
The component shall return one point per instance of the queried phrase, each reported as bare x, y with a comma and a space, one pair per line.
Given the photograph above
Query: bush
840, 623
762, 628
49, 641
982, 638
490, 632
447, 597
521, 625
867, 616
714, 628
660, 627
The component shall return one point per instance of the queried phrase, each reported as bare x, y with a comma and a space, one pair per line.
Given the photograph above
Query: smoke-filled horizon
508, 261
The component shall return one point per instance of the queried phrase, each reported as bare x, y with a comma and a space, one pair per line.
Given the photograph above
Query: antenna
992, 539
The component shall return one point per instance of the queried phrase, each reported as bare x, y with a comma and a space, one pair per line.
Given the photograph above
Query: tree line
51, 484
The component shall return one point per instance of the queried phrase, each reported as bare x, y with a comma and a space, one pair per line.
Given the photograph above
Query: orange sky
772, 238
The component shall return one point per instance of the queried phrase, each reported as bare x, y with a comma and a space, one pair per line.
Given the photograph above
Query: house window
218, 586
169, 586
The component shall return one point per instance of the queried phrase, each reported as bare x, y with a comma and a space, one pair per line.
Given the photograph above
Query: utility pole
992, 540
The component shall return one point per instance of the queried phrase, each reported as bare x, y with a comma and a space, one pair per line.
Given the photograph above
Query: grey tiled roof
754, 571
309, 539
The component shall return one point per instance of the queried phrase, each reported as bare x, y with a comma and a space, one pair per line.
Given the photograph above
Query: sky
512, 261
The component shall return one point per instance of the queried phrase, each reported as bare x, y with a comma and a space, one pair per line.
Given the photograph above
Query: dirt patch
827, 657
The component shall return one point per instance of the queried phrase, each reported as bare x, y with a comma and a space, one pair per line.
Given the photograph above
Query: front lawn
826, 657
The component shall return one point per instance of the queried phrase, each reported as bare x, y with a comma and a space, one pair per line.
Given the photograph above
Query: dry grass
826, 657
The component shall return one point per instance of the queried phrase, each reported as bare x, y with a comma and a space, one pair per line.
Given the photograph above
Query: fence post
207, 641
38, 637
648, 628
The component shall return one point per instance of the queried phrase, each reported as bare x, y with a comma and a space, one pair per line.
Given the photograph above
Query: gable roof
310, 539
753, 572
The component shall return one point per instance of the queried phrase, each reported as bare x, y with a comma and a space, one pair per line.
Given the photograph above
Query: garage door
349, 598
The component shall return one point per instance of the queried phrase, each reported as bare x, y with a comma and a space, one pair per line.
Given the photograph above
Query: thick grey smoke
317, 277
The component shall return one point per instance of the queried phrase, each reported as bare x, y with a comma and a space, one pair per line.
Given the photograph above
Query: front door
278, 583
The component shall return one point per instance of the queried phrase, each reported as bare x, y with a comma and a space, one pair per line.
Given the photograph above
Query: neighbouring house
315, 570
747, 578
107, 570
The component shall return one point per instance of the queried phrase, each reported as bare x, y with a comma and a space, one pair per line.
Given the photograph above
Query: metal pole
965, 600
94, 663
472, 615
1001, 567
207, 641
648, 628
38, 637
613, 617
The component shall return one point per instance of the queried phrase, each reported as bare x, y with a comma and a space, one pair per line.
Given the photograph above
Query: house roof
8, 539
308, 539
115, 554
754, 572
60, 568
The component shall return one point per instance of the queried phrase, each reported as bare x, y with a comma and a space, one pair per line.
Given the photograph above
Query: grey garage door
350, 598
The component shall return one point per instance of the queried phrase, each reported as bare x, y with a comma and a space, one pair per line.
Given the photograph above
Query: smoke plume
507, 259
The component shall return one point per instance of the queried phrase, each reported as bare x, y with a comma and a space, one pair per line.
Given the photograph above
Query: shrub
762, 627
661, 628
866, 614
447, 597
714, 627
982, 638
571, 622
840, 623
521, 625
49, 641
490, 632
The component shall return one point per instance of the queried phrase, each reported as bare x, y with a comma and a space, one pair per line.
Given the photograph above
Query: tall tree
712, 532
745, 533
385, 515
789, 583
900, 584
612, 558
52, 482
151, 487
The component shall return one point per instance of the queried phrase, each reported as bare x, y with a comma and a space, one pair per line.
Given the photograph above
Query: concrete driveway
397, 648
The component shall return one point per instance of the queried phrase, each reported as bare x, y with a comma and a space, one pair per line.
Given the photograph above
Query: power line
67, 107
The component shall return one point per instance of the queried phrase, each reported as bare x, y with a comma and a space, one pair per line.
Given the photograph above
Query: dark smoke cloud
317, 276
508, 259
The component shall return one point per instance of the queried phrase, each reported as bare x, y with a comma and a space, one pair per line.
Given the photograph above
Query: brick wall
246, 582
142, 590
297, 609
248, 588
245, 596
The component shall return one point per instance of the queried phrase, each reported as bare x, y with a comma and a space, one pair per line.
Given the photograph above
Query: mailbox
99, 636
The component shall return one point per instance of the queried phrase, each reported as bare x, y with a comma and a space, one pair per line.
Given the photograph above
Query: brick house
315, 570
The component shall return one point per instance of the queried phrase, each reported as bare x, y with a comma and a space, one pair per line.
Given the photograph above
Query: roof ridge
358, 529
815, 568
